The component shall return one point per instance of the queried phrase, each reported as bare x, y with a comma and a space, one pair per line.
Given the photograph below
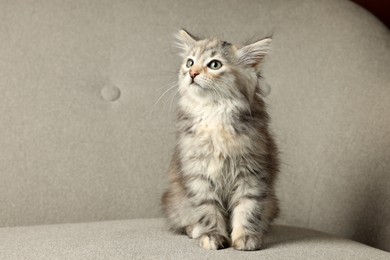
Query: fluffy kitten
225, 162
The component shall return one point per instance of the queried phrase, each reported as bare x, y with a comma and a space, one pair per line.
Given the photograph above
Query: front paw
248, 243
213, 241
189, 229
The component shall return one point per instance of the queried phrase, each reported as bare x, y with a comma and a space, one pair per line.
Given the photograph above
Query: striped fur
225, 162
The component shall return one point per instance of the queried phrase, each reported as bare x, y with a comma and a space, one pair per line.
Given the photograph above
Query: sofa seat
149, 239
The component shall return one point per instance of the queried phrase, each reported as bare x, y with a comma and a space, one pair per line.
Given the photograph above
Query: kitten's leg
177, 208
253, 209
210, 226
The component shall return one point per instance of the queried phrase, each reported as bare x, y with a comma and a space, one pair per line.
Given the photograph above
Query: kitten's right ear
185, 41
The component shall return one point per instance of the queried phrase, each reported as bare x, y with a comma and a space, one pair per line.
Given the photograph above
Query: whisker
167, 85
162, 95
173, 98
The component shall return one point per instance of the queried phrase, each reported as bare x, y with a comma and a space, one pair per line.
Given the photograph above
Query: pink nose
193, 74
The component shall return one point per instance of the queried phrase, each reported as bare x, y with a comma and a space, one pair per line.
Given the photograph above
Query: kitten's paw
248, 243
189, 230
213, 241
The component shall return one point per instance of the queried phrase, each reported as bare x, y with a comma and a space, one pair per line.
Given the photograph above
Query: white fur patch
197, 231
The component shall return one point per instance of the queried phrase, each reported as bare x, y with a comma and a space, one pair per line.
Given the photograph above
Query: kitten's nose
194, 73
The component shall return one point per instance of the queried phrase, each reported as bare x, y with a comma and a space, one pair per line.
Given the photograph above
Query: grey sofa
85, 149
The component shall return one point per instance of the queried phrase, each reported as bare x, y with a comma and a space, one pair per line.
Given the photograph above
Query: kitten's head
214, 70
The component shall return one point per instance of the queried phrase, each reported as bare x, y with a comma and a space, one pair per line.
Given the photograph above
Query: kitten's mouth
194, 83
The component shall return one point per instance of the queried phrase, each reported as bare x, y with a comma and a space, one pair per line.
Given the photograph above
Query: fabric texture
82, 138
149, 239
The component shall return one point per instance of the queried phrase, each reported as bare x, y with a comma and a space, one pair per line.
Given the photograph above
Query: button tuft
110, 93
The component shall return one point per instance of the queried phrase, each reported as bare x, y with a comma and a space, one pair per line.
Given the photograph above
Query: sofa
87, 126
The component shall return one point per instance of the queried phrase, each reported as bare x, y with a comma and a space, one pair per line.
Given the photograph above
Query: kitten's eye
214, 64
189, 63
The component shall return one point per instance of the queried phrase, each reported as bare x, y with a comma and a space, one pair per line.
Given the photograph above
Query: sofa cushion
149, 239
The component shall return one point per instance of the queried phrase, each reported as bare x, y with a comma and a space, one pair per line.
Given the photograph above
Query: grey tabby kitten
225, 162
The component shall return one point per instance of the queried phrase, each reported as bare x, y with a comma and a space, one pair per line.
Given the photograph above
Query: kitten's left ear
185, 41
253, 54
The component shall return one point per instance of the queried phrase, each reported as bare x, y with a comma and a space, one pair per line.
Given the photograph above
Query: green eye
189, 63
214, 64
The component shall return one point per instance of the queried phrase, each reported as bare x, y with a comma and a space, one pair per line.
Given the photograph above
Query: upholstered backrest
81, 138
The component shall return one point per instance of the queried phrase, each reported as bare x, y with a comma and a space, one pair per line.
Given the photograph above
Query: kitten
225, 162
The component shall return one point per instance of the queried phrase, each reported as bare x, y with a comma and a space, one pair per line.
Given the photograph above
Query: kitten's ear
253, 54
185, 41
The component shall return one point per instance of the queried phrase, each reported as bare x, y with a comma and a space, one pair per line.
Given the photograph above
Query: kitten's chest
216, 136
214, 130
212, 147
